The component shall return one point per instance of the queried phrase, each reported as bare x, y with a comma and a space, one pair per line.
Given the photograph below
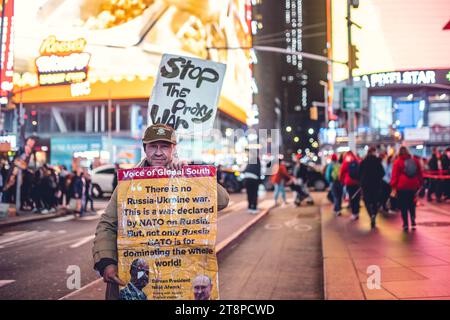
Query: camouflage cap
159, 132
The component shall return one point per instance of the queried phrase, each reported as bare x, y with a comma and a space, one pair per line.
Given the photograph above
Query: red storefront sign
7, 56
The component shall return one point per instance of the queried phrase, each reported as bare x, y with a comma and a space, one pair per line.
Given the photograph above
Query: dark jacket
253, 171
445, 163
77, 190
300, 171
371, 173
433, 164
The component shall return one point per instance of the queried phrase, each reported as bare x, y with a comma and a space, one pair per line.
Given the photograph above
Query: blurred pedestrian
387, 203
3, 178
36, 190
279, 180
299, 182
78, 192
332, 176
70, 179
26, 201
55, 192
89, 196
446, 169
349, 177
406, 181
115, 181
219, 173
435, 165
252, 178
371, 175
62, 185
46, 190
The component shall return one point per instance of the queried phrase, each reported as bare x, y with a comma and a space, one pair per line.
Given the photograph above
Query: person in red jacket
279, 179
349, 177
406, 180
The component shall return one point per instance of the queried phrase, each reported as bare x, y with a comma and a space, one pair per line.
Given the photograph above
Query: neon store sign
383, 79
62, 62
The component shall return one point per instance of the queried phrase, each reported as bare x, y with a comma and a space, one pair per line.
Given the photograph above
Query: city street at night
247, 151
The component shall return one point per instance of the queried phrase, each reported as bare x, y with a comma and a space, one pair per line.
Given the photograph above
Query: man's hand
393, 193
176, 165
110, 274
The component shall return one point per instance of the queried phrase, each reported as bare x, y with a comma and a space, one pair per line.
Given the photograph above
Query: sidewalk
413, 265
27, 216
231, 223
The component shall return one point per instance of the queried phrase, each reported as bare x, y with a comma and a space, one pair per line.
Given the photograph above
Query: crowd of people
48, 188
387, 183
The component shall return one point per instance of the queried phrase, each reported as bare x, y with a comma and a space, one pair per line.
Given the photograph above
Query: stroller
302, 192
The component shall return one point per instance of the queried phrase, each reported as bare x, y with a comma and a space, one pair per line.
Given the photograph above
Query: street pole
1, 45
109, 127
351, 113
325, 97
21, 144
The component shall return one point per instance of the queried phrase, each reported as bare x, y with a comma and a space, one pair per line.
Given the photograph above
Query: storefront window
409, 113
380, 112
439, 109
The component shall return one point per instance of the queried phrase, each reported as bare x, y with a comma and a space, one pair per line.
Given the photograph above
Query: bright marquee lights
62, 62
71, 62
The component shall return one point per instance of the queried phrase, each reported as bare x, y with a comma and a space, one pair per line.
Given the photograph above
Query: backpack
410, 168
353, 170
335, 172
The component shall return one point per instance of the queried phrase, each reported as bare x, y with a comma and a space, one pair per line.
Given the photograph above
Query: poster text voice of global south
160, 171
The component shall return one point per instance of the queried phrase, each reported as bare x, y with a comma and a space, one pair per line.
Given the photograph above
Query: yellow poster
167, 233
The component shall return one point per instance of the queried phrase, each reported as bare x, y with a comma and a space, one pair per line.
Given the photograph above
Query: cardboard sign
167, 225
186, 93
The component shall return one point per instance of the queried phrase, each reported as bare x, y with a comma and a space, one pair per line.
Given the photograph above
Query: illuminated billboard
62, 62
7, 50
395, 35
125, 40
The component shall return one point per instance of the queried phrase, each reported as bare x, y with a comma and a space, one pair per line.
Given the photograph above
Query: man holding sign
171, 215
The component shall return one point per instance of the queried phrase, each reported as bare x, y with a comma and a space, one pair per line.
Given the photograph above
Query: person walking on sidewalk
435, 164
252, 178
62, 183
406, 181
88, 194
386, 198
349, 177
332, 176
371, 175
279, 179
299, 182
79, 192
159, 144
446, 168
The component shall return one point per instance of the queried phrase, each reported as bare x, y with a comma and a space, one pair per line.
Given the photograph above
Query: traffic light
313, 113
354, 3
353, 59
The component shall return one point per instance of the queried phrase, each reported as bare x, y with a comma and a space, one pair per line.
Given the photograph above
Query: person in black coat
436, 165
79, 191
446, 168
252, 178
371, 173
